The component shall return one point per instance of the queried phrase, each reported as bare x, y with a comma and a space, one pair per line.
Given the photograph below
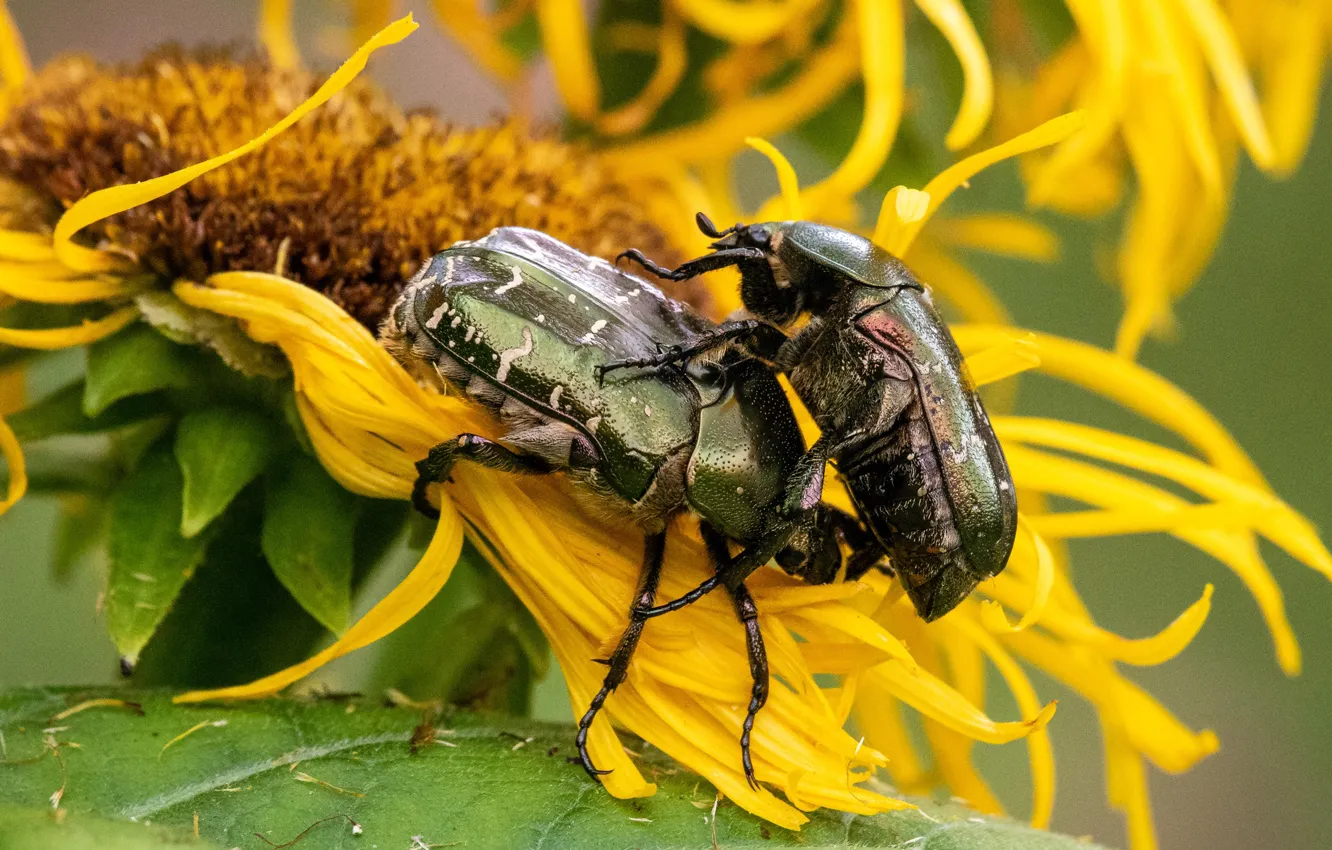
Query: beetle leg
759, 338
735, 571
653, 556
804, 488
722, 259
437, 465
747, 611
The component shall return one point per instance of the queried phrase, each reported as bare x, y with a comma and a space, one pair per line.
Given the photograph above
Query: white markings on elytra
1003, 485
635, 293
509, 355
452, 343
438, 316
541, 317
740, 491
457, 320
572, 298
517, 281
596, 328
593, 423
647, 410
467, 337
555, 396
443, 309
620, 299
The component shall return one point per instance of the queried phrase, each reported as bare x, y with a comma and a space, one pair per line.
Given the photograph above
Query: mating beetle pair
570, 353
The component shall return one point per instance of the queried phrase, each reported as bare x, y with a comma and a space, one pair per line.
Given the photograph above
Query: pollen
350, 201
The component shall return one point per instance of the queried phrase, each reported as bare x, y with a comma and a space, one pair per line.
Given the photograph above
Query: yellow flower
369, 421
1176, 85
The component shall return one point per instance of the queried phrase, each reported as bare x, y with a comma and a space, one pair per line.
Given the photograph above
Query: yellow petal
568, 48
14, 64
116, 199
977, 82
1039, 749
954, 176
1217, 39
993, 364
882, 40
1127, 384
18, 472
750, 22
821, 77
50, 339
993, 615
1003, 234
672, 62
464, 20
275, 33
786, 177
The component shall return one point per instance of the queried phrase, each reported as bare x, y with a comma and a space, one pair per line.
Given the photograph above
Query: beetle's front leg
758, 338
437, 465
722, 259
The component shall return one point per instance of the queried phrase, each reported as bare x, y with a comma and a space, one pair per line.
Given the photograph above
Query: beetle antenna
709, 229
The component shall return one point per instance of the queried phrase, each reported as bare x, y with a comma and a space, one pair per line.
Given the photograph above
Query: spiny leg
654, 552
737, 569
437, 465
747, 611
761, 339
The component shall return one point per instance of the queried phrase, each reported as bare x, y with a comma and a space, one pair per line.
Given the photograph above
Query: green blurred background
1253, 347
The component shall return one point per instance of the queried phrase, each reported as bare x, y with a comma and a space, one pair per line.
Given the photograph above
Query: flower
1172, 90
368, 422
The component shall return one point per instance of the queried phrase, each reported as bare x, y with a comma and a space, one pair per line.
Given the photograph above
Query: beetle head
766, 288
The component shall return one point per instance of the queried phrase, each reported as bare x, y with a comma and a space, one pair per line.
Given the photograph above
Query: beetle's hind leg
654, 553
747, 611
437, 465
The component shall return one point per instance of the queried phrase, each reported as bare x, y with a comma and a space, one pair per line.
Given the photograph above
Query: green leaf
309, 522
45, 829
136, 361
62, 412
279, 768
233, 622
220, 450
150, 560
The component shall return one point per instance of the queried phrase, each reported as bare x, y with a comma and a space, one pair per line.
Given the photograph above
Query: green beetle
884, 380
525, 325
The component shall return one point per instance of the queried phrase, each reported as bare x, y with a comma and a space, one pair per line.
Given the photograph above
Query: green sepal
309, 524
62, 412
150, 560
220, 450
136, 361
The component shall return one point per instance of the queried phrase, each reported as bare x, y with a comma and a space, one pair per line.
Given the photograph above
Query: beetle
525, 325
883, 378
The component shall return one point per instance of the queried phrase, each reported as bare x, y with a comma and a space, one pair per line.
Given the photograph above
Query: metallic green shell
536, 318
971, 461
854, 256
540, 338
